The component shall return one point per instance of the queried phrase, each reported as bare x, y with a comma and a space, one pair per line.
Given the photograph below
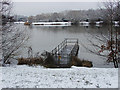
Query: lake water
47, 38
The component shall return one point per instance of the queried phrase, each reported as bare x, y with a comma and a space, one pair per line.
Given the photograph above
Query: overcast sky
34, 8
58, 0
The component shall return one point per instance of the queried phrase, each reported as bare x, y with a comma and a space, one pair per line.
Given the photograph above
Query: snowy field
75, 77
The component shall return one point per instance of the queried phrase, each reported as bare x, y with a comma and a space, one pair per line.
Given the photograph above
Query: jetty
64, 52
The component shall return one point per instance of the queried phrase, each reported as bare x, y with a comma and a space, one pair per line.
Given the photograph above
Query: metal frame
68, 41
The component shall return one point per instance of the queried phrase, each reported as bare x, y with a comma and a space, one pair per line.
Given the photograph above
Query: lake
48, 37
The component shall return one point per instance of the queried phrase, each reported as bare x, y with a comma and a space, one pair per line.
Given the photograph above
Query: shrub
48, 62
30, 61
83, 63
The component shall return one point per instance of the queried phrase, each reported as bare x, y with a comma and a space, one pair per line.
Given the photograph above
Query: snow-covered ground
75, 77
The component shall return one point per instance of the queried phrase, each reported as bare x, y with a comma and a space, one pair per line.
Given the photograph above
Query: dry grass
49, 62
82, 63
30, 61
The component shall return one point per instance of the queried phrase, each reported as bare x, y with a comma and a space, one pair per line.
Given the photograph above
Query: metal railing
59, 47
57, 52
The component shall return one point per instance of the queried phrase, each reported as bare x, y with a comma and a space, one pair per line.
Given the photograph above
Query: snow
99, 22
52, 23
115, 22
75, 77
19, 22
84, 23
48, 23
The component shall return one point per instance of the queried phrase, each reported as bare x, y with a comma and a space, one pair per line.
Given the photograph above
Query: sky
34, 7
58, 0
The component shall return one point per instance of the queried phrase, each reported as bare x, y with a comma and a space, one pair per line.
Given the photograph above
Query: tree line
80, 15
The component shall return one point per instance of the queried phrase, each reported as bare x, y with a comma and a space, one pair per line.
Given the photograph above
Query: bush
30, 61
48, 62
87, 63
83, 63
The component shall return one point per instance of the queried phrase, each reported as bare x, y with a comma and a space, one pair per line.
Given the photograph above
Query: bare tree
13, 36
111, 7
108, 43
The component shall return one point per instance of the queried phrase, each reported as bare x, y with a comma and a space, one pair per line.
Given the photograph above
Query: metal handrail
72, 50
56, 50
59, 47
